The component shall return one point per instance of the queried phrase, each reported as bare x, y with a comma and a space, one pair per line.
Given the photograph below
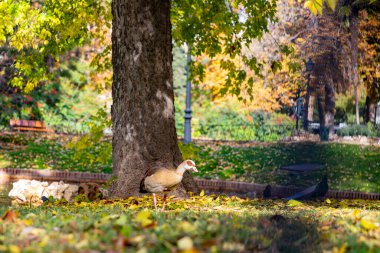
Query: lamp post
309, 67
187, 137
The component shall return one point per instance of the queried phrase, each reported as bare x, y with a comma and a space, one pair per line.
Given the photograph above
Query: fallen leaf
293, 202
356, 214
14, 249
343, 248
143, 218
10, 216
367, 224
142, 250
185, 243
187, 227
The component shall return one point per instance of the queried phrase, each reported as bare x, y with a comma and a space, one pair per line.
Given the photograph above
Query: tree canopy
36, 31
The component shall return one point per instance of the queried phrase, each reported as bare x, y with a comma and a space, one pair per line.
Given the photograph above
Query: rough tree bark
369, 109
354, 30
144, 134
321, 110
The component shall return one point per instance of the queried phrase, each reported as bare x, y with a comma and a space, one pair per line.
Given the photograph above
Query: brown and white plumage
165, 180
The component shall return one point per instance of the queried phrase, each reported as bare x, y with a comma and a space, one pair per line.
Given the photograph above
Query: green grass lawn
199, 224
348, 167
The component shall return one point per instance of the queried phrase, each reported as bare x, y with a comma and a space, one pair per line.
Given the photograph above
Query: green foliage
359, 130
53, 154
91, 147
190, 151
345, 108
45, 29
64, 104
198, 224
227, 124
217, 27
51, 28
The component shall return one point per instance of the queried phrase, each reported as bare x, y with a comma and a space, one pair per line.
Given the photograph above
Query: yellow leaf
14, 249
343, 248
45, 240
315, 6
293, 202
187, 227
202, 193
133, 207
356, 213
185, 243
328, 201
143, 218
309, 5
332, 4
318, 5
367, 224
28, 222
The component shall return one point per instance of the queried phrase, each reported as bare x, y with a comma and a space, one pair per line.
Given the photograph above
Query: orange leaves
254, 93
9, 216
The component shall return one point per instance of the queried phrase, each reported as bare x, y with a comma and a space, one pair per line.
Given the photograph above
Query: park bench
28, 125
301, 168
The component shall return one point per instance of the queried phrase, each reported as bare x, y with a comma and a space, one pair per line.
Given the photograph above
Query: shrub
359, 130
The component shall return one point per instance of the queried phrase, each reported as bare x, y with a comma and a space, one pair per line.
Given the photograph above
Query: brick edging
53, 175
242, 189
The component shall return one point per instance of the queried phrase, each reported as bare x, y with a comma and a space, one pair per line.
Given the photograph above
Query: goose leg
164, 204
154, 201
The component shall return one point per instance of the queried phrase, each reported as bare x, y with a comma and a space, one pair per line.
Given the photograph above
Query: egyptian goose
165, 180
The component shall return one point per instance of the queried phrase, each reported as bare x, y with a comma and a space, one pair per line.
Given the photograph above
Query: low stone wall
240, 189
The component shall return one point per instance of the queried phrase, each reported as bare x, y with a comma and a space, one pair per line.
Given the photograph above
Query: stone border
8, 174
240, 189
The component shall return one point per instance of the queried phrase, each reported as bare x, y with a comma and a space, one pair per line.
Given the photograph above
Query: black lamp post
309, 68
187, 137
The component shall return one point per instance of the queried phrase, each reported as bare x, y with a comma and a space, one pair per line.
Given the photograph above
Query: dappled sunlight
4, 162
199, 224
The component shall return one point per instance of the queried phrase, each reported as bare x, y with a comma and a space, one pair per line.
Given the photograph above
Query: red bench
28, 125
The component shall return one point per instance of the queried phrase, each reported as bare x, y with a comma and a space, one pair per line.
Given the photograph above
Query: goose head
187, 165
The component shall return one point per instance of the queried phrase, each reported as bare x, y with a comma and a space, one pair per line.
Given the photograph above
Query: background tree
370, 61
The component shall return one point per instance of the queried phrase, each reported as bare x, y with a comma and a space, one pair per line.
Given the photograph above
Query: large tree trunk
144, 134
369, 110
354, 30
321, 111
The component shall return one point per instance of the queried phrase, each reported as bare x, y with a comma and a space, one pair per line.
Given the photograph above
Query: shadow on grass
288, 234
259, 231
